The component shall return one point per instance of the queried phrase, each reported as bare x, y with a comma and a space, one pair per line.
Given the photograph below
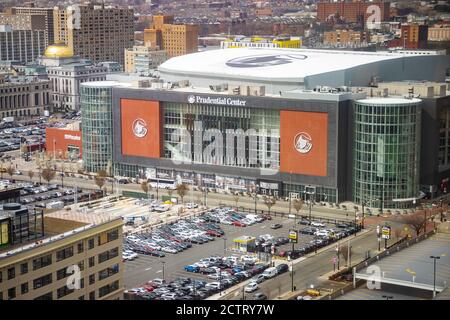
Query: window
47, 296
81, 265
24, 288
11, 293
92, 278
113, 235
102, 257
108, 272
11, 273
24, 268
1, 277
63, 291
92, 295
42, 281
91, 243
91, 262
42, 262
64, 253
80, 247
61, 274
103, 291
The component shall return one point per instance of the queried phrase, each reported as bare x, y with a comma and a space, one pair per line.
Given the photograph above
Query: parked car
282, 268
276, 226
260, 296
251, 287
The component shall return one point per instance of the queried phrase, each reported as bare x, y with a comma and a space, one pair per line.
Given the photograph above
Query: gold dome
58, 50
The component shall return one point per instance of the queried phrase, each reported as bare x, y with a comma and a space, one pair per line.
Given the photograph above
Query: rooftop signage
217, 100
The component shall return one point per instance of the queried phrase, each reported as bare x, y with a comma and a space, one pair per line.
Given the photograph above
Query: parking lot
171, 266
50, 196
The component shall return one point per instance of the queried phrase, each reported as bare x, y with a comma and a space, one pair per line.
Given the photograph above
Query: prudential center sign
218, 101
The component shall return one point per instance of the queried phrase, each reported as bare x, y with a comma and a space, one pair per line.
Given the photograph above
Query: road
309, 271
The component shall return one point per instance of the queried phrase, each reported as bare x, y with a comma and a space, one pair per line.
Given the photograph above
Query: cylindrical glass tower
386, 152
97, 126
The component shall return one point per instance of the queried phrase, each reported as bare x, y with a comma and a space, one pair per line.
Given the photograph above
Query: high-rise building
21, 45
414, 36
46, 13
96, 32
39, 269
175, 39
142, 59
24, 96
351, 11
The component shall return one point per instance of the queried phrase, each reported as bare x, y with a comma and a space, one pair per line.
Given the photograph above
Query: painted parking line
159, 271
148, 269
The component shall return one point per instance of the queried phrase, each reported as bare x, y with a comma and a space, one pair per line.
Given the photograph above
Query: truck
8, 119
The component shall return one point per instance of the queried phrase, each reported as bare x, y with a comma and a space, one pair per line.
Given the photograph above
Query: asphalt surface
145, 268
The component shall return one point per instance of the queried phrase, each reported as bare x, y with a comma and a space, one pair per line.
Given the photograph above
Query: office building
175, 39
98, 32
414, 36
143, 60
44, 15
24, 97
298, 113
351, 11
345, 37
439, 33
21, 45
40, 269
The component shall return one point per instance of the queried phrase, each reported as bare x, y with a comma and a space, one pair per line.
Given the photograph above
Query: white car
169, 296
322, 233
214, 285
317, 224
251, 287
249, 259
191, 205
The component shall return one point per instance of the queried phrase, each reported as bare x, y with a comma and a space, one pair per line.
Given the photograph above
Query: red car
213, 233
238, 224
149, 288
267, 217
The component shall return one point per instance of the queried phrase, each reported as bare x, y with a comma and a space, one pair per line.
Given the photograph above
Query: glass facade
253, 131
97, 127
386, 152
444, 138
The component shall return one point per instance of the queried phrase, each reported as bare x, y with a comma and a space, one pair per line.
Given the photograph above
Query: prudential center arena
328, 125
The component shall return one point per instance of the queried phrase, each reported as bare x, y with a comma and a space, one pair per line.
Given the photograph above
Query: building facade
66, 73
351, 11
21, 45
175, 39
143, 60
97, 131
345, 37
259, 42
24, 96
386, 151
98, 32
439, 33
40, 270
64, 143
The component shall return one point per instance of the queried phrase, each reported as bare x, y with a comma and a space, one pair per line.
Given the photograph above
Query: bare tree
31, 174
298, 204
146, 187
416, 220
236, 200
100, 178
398, 233
346, 252
269, 202
48, 174
182, 190
10, 171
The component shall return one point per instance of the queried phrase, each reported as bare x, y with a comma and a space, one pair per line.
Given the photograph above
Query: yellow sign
4, 234
293, 236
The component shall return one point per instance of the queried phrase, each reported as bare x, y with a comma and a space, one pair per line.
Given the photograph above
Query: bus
162, 183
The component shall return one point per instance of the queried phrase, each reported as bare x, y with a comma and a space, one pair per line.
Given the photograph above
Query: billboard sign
293, 236
386, 232
304, 142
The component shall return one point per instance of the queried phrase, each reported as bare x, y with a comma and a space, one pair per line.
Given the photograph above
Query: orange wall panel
141, 128
304, 145
60, 140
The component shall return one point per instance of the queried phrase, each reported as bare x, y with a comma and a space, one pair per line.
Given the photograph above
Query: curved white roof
387, 101
276, 64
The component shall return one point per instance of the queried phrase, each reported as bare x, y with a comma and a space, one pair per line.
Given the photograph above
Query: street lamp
224, 246
163, 270
434, 273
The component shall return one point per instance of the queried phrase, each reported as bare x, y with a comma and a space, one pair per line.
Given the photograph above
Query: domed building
66, 72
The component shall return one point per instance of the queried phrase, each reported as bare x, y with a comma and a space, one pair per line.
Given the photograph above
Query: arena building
275, 121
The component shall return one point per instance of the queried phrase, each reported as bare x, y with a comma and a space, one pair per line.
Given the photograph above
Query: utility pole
434, 273
292, 274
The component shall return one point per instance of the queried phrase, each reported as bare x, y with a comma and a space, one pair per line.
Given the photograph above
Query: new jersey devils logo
303, 142
139, 128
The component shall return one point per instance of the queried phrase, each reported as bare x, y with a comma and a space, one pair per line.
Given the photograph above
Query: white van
270, 272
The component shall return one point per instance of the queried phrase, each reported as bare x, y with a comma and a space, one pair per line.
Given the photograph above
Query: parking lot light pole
163, 269
224, 246
292, 275
434, 273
